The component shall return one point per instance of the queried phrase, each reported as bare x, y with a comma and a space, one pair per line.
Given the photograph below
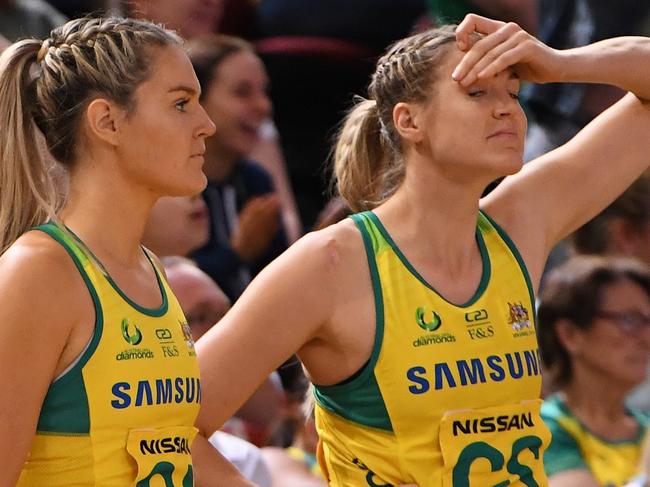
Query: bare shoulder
39, 278
36, 253
331, 250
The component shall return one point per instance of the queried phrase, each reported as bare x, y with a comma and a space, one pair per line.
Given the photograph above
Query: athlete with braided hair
98, 374
415, 317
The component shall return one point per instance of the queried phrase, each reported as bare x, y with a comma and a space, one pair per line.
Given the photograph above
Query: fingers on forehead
476, 23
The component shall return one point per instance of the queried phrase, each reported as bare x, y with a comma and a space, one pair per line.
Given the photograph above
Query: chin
504, 166
199, 186
512, 162
189, 188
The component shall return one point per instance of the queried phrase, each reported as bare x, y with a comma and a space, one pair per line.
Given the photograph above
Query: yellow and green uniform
449, 396
612, 463
122, 414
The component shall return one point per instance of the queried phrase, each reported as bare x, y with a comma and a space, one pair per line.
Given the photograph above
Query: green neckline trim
53, 231
513, 248
485, 258
369, 366
561, 405
154, 312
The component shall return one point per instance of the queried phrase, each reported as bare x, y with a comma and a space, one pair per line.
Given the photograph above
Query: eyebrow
191, 91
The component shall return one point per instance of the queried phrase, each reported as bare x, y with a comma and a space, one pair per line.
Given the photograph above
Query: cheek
522, 121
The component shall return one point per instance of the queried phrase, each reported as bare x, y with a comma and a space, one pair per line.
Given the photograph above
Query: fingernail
461, 45
454, 75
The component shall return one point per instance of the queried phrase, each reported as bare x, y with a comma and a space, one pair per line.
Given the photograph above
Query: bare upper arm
41, 305
287, 305
572, 478
560, 191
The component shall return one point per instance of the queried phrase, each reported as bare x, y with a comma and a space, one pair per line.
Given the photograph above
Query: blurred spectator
594, 333
245, 456
190, 18
318, 54
623, 228
28, 18
176, 226
268, 154
203, 303
523, 12
245, 231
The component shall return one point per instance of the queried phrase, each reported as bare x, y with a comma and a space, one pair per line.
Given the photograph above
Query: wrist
567, 65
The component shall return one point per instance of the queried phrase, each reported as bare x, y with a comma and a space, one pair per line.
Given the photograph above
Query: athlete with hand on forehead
415, 317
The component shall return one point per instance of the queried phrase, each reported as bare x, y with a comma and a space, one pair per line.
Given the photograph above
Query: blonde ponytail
368, 159
27, 195
48, 85
362, 158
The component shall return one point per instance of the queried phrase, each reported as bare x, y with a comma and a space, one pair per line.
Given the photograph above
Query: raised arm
555, 194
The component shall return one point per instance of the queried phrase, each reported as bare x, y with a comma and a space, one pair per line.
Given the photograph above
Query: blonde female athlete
98, 374
415, 318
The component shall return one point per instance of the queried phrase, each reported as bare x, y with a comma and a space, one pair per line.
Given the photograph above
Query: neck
433, 207
107, 212
219, 161
602, 409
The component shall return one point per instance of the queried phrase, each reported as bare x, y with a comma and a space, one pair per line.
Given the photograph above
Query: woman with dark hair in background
594, 331
246, 231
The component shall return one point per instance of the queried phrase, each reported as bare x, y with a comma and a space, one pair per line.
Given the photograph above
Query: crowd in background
277, 77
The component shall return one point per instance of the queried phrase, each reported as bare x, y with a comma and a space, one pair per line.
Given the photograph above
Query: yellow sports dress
612, 463
449, 396
123, 413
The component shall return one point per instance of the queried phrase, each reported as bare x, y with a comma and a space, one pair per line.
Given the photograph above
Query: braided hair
368, 165
48, 84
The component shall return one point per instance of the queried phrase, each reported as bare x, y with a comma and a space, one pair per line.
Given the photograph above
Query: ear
623, 236
570, 336
104, 120
407, 118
